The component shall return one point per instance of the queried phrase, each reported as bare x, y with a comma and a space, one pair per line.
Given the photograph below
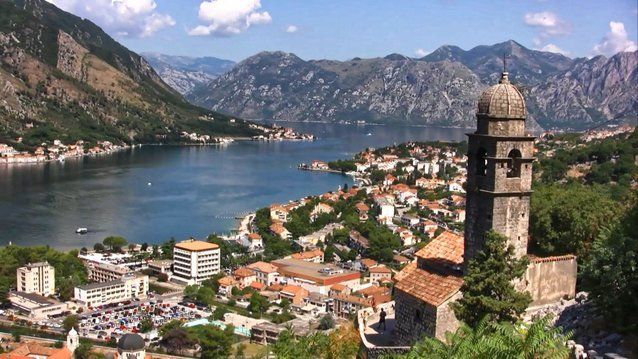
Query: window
514, 164
481, 161
417, 315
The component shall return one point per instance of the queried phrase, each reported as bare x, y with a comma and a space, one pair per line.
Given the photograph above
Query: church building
499, 181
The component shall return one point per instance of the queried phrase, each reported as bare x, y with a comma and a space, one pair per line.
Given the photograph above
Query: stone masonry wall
417, 319
550, 280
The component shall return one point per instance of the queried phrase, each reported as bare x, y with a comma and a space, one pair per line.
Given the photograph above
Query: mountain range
184, 73
438, 89
62, 77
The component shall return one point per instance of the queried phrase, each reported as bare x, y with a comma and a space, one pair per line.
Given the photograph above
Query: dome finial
504, 75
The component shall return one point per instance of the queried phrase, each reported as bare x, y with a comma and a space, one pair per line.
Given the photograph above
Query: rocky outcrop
590, 92
70, 56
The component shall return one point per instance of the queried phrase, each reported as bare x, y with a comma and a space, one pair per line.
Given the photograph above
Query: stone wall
417, 319
550, 279
446, 319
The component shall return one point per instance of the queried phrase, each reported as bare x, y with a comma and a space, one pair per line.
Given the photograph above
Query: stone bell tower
499, 170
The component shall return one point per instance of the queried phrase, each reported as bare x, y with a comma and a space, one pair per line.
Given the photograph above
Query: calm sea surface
194, 191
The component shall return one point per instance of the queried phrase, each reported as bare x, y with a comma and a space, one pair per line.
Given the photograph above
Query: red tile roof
380, 269
446, 249
429, 287
565, 257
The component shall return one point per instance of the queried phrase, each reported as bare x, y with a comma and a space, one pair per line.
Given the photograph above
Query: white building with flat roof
36, 278
129, 287
195, 261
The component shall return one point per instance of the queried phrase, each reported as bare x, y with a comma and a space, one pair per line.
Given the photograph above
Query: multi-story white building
195, 261
36, 278
105, 272
129, 287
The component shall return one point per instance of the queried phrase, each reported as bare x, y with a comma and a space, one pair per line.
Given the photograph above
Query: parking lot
116, 320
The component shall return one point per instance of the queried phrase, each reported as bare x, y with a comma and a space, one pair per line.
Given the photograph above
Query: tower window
514, 164
481, 161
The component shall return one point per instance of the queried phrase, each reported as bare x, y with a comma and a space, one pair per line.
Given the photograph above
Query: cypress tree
488, 288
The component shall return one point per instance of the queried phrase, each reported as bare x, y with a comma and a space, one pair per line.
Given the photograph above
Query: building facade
129, 287
195, 261
36, 278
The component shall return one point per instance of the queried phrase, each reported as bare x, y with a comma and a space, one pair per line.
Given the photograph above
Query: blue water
195, 190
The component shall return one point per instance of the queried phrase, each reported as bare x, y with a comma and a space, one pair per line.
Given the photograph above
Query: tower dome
131, 342
502, 100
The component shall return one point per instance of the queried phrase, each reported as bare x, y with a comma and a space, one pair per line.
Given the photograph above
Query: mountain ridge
440, 88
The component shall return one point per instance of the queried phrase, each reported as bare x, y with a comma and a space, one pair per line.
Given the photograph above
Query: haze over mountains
438, 89
62, 77
184, 73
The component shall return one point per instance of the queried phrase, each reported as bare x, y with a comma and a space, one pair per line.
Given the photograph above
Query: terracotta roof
226, 281
429, 287
380, 269
254, 236
405, 271
338, 287
446, 249
275, 287
196, 246
262, 267
32, 350
369, 262
278, 228
257, 285
308, 254
293, 290
400, 259
243, 272
362, 207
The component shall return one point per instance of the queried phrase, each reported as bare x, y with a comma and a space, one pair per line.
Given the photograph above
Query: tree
176, 340
83, 351
115, 243
99, 247
71, 321
538, 340
611, 273
488, 289
567, 219
326, 322
146, 325
215, 343
173, 324
258, 304
219, 313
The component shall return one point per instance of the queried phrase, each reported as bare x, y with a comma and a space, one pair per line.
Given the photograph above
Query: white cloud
615, 41
421, 52
292, 29
131, 18
548, 24
229, 17
555, 49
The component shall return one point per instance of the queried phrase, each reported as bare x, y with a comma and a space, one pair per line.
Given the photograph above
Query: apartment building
36, 278
129, 287
105, 272
195, 261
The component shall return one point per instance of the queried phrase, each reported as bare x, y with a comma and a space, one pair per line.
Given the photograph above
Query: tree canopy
488, 289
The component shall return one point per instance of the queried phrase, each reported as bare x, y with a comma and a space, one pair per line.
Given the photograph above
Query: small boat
369, 134
149, 184
81, 230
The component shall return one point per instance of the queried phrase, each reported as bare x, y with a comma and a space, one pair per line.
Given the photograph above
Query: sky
343, 29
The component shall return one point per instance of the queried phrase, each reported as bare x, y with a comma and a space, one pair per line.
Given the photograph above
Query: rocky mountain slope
184, 73
439, 89
62, 77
